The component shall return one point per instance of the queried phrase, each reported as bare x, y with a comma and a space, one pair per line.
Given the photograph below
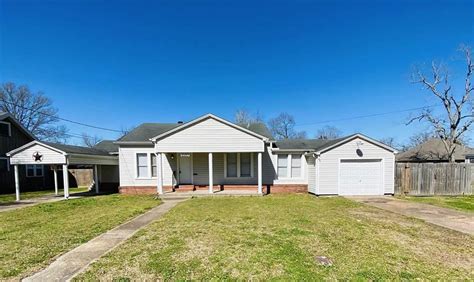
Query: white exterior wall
128, 167
209, 135
327, 181
49, 156
311, 169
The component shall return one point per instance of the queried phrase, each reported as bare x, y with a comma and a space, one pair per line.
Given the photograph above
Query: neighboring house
211, 153
12, 136
434, 151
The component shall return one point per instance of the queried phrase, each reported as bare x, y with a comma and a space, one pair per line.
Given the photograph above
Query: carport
62, 156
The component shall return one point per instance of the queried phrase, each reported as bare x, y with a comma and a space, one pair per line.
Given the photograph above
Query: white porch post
159, 173
17, 183
260, 173
211, 177
55, 170
96, 179
66, 181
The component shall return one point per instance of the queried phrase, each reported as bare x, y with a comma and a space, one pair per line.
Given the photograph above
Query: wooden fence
424, 179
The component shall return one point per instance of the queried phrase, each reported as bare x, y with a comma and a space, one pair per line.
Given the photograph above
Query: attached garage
354, 165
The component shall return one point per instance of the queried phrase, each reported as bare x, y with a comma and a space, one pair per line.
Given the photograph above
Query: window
142, 165
238, 165
282, 165
245, 165
295, 166
4, 166
289, 166
153, 165
5, 129
232, 165
34, 170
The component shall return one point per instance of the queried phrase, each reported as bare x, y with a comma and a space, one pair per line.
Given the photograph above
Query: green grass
279, 237
463, 203
10, 198
32, 236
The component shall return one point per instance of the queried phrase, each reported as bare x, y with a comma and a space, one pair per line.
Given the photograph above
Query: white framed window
4, 164
5, 129
34, 170
295, 166
238, 165
282, 166
153, 165
142, 165
289, 166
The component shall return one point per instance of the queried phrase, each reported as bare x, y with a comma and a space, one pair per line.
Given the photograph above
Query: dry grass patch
279, 237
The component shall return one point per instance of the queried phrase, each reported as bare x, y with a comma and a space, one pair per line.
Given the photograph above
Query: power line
63, 119
366, 116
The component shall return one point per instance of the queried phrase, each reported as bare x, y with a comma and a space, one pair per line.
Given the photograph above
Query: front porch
209, 173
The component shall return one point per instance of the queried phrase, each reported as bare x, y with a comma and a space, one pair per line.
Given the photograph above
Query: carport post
96, 179
17, 183
66, 181
55, 169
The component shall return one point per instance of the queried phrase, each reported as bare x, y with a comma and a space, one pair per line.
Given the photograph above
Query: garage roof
78, 150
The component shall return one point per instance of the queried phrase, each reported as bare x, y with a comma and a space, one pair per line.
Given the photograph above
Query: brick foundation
267, 189
142, 190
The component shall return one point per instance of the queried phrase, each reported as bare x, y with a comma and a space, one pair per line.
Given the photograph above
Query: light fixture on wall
172, 156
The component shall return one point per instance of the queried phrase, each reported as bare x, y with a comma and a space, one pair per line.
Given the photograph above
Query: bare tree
125, 130
389, 141
244, 118
90, 141
34, 111
328, 132
457, 116
283, 127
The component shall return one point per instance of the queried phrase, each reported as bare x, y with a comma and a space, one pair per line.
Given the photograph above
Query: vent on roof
180, 122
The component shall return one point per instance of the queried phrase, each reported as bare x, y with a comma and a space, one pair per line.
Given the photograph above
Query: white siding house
213, 154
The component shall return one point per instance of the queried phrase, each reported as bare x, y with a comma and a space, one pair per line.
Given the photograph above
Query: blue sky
118, 64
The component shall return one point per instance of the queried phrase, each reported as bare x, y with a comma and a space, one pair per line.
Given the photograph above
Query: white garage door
360, 177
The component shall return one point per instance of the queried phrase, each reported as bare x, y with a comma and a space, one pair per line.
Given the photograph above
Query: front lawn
10, 198
280, 237
32, 236
463, 203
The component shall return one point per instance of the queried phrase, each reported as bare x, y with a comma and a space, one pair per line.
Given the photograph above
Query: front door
185, 169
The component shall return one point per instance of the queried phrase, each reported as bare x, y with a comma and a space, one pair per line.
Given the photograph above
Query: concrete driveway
449, 218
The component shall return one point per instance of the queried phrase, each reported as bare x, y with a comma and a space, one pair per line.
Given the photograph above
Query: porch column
55, 170
96, 179
159, 173
66, 181
260, 173
17, 183
211, 177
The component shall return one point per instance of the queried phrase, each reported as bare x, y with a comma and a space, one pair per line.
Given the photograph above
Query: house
213, 154
434, 151
12, 136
